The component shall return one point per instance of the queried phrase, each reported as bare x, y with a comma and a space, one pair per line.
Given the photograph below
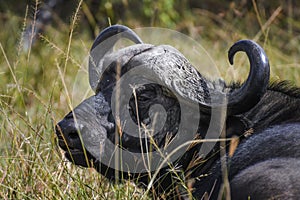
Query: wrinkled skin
265, 164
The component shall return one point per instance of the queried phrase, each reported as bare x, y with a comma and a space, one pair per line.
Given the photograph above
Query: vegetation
37, 85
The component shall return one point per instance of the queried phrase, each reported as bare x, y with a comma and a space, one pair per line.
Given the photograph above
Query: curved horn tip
241, 45
114, 30
230, 58
255, 86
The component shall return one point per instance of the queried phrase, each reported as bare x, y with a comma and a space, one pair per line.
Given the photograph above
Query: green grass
36, 90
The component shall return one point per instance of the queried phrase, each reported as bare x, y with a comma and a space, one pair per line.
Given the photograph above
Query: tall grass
36, 88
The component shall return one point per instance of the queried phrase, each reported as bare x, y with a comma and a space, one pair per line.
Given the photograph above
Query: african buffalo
263, 116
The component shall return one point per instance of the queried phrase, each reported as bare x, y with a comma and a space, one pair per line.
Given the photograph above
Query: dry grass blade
73, 23
268, 23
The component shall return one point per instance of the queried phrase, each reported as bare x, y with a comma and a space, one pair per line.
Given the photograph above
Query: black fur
258, 159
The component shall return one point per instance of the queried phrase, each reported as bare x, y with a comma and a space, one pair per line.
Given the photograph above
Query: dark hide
256, 162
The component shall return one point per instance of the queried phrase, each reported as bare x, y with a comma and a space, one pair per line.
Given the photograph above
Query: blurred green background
35, 85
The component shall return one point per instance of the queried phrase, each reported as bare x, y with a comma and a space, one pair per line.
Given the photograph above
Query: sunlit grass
36, 88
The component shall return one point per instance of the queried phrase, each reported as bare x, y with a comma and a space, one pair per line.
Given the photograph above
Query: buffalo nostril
73, 135
67, 129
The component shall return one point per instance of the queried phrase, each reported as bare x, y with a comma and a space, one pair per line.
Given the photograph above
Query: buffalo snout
68, 134
82, 133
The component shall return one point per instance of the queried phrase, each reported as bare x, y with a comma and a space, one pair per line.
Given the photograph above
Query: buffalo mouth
78, 156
